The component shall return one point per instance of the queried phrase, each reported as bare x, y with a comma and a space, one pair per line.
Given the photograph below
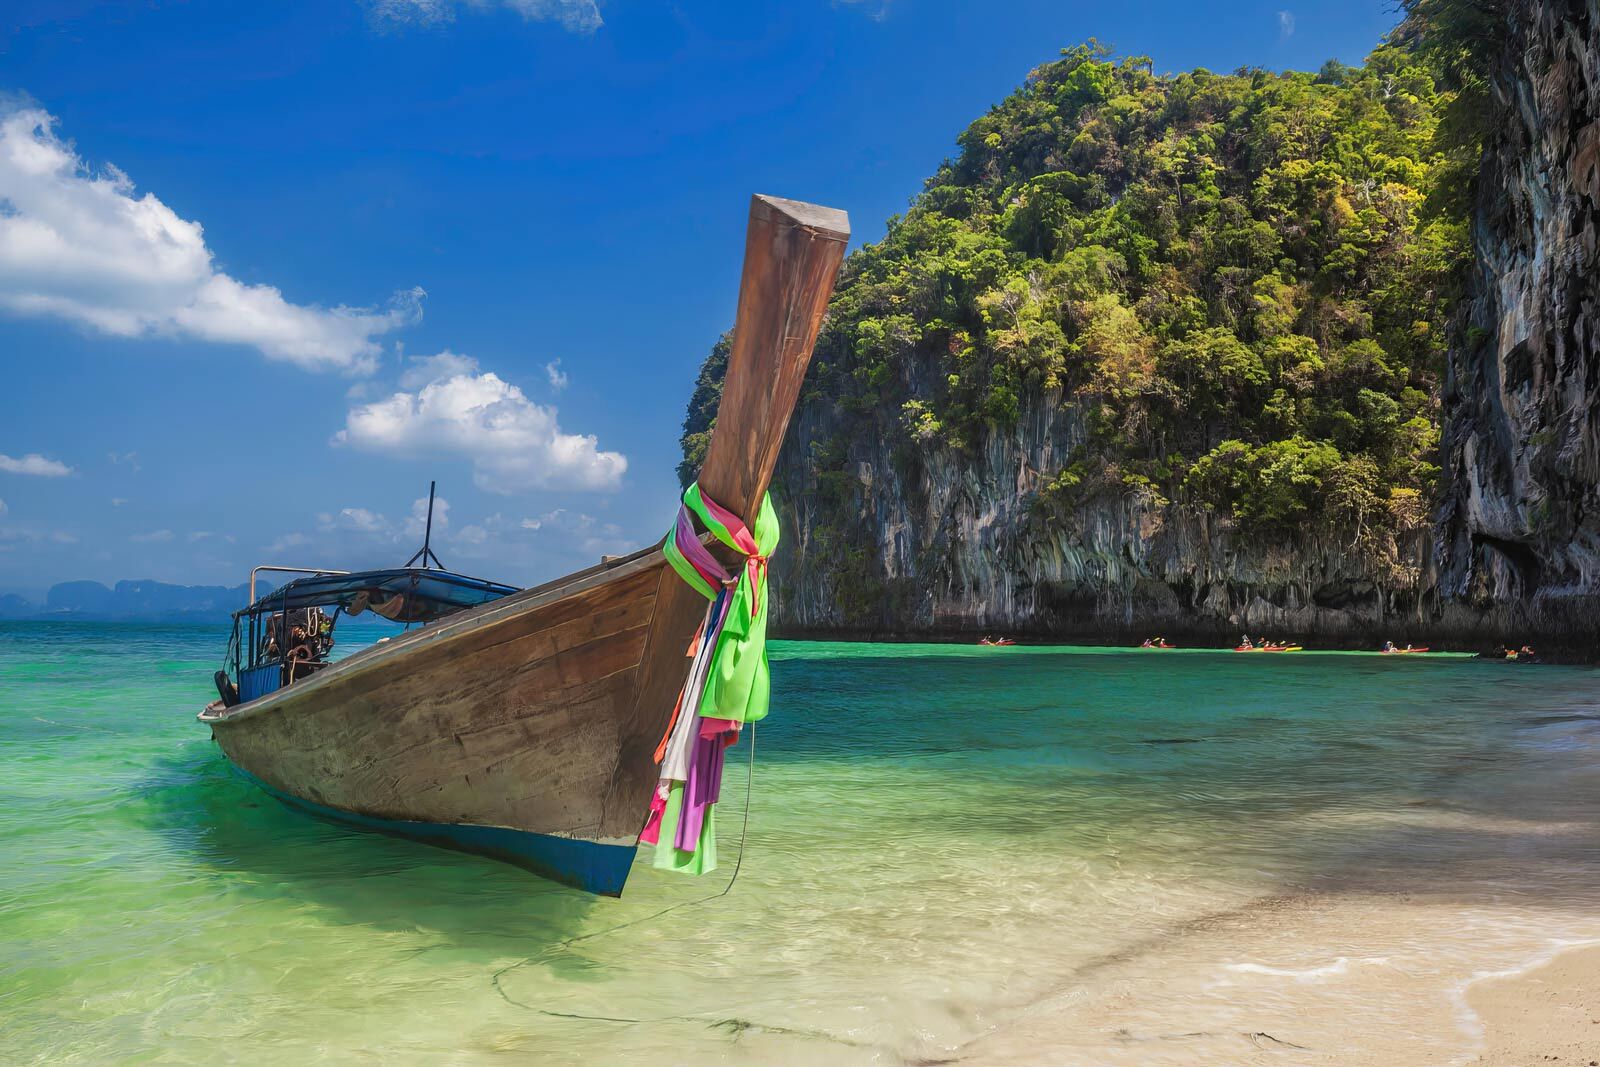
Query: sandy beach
1550, 1014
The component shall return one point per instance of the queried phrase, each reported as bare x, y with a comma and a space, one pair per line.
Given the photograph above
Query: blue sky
265, 269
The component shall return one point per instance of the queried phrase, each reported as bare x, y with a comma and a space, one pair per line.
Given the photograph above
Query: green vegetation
1236, 279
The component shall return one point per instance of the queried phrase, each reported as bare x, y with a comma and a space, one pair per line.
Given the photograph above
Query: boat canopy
401, 594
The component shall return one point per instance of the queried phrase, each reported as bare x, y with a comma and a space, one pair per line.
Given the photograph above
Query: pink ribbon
755, 563
710, 568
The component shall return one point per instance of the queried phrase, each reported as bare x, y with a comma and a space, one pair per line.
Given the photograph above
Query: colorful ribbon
738, 685
728, 683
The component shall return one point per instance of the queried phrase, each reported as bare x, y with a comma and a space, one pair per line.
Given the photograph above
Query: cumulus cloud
357, 519
554, 542
33, 463
513, 443
418, 523
378, 526
579, 16
154, 537
425, 369
1285, 25
558, 377
83, 246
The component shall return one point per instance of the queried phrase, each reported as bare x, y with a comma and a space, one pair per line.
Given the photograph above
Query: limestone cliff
884, 541
1519, 544
1172, 356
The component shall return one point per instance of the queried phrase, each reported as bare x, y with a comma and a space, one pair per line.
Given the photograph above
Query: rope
744, 831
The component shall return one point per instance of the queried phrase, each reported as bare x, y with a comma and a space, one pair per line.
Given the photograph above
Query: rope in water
744, 830
736, 686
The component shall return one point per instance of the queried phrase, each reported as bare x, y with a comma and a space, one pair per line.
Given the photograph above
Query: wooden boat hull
494, 732
589, 865
525, 728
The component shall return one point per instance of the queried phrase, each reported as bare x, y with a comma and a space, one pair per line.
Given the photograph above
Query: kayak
1284, 648
1400, 651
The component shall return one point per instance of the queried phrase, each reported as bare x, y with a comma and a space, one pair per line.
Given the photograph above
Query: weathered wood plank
382, 743
792, 256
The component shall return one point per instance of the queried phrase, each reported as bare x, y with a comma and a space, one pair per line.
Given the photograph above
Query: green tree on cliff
1232, 275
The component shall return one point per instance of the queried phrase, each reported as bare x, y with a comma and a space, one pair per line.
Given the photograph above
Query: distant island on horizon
137, 600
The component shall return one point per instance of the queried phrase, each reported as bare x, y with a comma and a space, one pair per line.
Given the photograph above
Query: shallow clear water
1018, 855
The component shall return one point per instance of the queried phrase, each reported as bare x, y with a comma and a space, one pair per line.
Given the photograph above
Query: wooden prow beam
791, 258
792, 255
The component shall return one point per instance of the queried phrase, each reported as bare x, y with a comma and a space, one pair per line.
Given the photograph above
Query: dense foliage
1233, 277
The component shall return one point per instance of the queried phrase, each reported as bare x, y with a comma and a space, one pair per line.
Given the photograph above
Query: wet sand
1548, 1015
1369, 982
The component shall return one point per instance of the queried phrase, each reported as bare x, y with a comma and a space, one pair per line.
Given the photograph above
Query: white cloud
1285, 25
80, 245
558, 377
376, 526
513, 443
3, 508
582, 530
555, 542
32, 463
154, 537
118, 501
418, 523
359, 519
289, 540
426, 369
579, 16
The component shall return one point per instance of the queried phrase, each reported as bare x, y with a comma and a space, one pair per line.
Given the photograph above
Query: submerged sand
1367, 983
1021, 855
1467, 936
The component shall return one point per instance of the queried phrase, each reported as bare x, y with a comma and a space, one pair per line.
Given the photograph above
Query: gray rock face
1519, 534
942, 542
887, 539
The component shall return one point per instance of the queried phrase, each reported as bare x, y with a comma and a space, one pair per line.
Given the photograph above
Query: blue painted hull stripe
589, 865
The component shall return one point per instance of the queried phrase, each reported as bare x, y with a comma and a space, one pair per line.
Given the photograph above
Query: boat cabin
287, 635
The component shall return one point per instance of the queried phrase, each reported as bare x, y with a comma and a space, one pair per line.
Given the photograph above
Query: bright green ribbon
738, 684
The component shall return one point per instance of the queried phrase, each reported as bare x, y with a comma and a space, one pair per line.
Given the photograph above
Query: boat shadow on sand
252, 844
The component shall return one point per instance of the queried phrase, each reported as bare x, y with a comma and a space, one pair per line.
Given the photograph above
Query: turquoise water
1018, 855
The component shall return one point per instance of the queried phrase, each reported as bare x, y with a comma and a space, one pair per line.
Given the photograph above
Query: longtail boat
523, 724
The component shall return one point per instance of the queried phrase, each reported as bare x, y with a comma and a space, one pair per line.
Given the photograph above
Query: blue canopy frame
430, 594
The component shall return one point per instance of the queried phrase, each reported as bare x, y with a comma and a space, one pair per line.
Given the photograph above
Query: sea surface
953, 853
